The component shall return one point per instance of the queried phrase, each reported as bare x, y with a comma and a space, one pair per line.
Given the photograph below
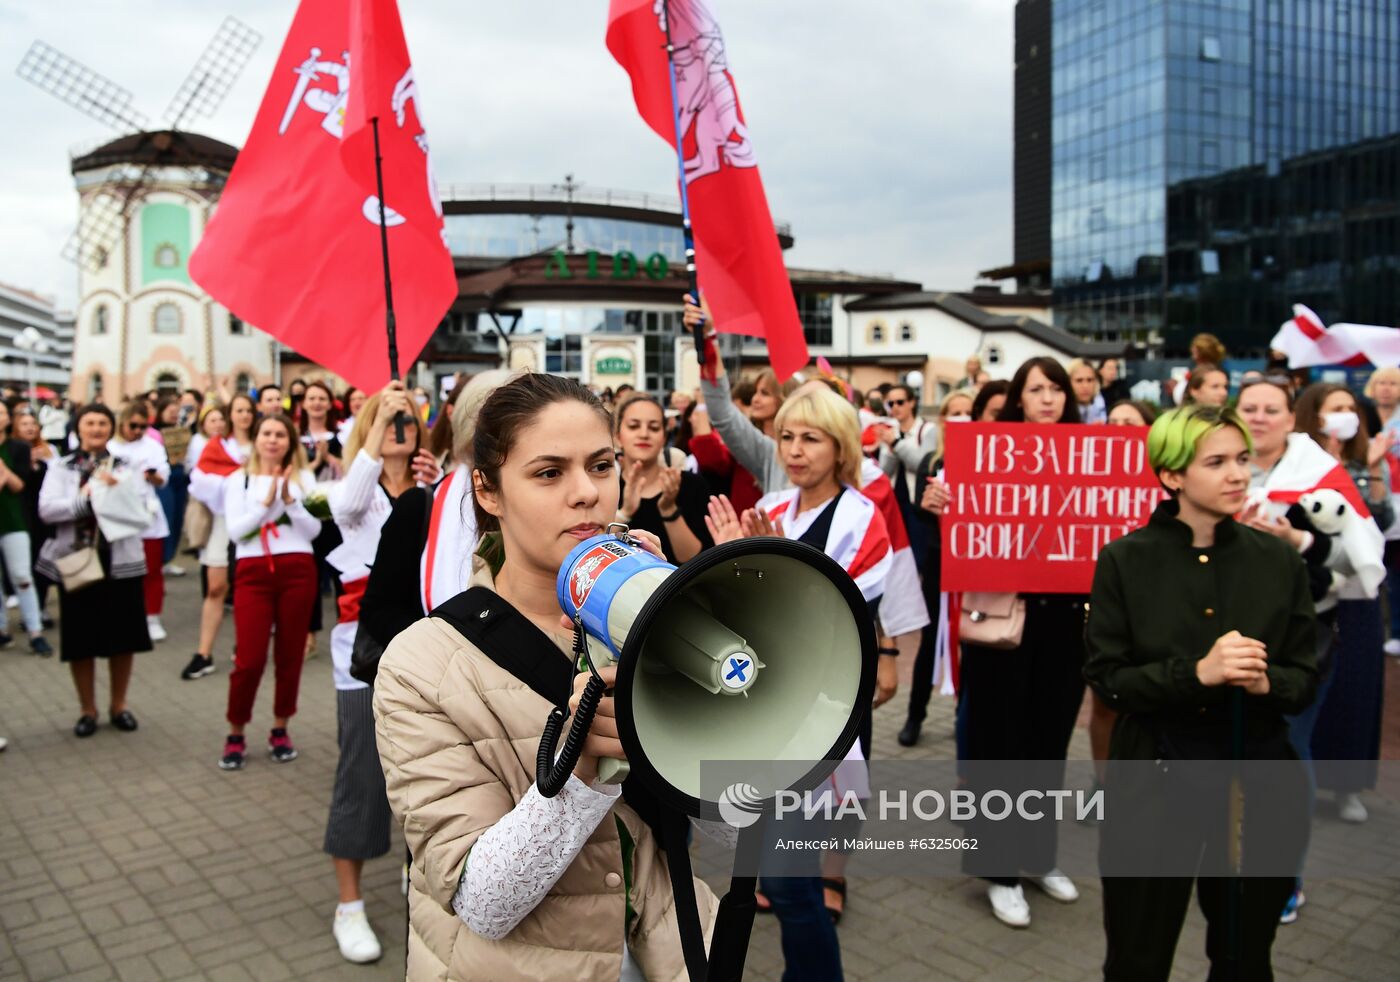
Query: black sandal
839, 887
124, 721
86, 726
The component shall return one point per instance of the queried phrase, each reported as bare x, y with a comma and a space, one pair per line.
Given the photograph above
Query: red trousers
154, 583
271, 590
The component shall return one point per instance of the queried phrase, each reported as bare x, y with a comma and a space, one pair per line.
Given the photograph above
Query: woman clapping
265, 507
666, 502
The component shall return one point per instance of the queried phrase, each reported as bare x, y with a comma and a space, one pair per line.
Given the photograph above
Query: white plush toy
1327, 510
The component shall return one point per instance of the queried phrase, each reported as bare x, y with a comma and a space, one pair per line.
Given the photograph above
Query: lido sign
625, 266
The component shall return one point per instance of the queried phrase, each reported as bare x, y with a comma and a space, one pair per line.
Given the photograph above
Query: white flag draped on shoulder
1306, 467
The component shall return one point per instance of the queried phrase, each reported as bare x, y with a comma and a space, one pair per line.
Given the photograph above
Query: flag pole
690, 276
390, 327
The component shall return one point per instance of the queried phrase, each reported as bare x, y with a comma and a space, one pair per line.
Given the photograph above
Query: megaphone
761, 649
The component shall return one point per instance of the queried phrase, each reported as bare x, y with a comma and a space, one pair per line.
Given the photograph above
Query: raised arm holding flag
674, 53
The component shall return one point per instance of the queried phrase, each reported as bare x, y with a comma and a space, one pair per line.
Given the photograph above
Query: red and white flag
293, 247
738, 258
857, 539
1306, 467
903, 610
1308, 342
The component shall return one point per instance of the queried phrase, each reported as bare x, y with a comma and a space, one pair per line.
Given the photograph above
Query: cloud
883, 129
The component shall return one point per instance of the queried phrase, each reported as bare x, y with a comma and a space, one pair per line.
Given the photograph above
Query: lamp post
31, 342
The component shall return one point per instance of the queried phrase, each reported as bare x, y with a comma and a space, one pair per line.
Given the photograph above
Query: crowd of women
286, 496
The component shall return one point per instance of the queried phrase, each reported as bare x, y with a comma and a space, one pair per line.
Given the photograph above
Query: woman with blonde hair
1088, 398
265, 508
380, 468
818, 447
427, 543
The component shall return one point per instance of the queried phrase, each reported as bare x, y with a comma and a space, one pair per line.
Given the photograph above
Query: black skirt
105, 619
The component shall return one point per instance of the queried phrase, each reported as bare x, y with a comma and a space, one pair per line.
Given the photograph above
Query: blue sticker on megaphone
738, 669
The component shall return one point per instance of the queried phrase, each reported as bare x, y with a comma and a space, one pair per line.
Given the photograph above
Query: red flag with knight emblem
738, 258
293, 247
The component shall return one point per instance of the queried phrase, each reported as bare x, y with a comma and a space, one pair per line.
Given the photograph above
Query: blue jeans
14, 550
811, 952
173, 495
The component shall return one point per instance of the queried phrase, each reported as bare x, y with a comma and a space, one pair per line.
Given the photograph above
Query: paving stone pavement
132, 856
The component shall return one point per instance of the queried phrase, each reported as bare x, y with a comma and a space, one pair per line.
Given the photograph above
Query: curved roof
164, 148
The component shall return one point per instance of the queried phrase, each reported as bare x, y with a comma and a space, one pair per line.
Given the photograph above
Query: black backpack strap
509, 639
820, 530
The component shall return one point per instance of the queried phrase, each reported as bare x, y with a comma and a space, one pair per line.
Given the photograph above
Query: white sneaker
356, 938
1392, 647
1350, 809
1057, 886
1009, 904
155, 628
170, 569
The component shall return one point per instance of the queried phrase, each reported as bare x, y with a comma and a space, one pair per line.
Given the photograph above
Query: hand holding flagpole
690, 274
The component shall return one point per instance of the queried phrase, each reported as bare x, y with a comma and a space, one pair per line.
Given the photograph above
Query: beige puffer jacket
457, 738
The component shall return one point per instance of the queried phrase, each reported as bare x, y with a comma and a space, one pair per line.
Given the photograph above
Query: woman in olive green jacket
1200, 635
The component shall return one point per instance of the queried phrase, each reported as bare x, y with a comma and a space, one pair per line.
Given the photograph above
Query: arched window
875, 333
167, 319
994, 355
167, 256
94, 387
906, 331
236, 325
99, 319
243, 383
168, 384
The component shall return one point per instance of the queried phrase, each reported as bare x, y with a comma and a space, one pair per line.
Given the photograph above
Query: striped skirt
358, 826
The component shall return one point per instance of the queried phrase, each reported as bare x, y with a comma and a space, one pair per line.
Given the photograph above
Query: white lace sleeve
520, 858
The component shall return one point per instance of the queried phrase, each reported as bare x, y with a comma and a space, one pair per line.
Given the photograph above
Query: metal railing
556, 194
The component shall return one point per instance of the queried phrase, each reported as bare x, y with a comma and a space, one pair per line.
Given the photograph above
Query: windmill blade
104, 218
79, 86
214, 73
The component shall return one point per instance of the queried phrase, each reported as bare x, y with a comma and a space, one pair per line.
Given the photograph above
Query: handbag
80, 568
993, 620
199, 523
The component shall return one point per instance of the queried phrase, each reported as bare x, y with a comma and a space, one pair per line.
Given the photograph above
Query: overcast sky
883, 128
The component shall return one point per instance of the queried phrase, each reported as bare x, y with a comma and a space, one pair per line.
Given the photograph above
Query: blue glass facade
1215, 161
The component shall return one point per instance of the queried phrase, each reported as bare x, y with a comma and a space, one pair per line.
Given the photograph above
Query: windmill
104, 220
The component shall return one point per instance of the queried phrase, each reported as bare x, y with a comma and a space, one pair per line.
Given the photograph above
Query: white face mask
960, 418
1341, 426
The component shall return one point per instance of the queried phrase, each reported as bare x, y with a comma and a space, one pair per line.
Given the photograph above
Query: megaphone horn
774, 621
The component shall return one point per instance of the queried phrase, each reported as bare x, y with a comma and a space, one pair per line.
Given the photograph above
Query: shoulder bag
993, 620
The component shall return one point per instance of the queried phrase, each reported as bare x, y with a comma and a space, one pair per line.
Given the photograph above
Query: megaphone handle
612, 771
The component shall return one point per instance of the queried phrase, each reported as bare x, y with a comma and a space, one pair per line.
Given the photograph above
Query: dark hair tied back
506, 412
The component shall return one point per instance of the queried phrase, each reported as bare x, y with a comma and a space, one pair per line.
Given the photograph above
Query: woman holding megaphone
506, 883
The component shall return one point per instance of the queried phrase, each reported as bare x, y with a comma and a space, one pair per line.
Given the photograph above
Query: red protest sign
1031, 505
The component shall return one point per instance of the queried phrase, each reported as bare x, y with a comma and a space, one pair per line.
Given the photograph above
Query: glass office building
1215, 161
